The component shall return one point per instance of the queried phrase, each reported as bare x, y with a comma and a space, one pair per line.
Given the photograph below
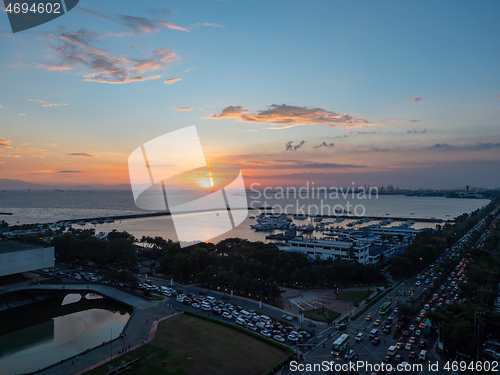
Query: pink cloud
286, 116
172, 80
182, 109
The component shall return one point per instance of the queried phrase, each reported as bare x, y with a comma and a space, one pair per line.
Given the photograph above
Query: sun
206, 183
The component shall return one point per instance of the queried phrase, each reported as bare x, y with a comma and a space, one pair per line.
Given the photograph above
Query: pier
263, 209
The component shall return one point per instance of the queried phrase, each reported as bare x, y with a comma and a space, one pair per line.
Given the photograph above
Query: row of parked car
247, 319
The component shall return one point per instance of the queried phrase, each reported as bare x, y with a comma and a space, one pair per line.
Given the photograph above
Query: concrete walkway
296, 301
140, 327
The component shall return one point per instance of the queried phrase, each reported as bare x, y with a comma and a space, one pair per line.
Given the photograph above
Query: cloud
47, 104
181, 109
95, 14
1, 106
5, 143
415, 131
324, 144
466, 147
21, 114
290, 147
82, 155
416, 100
169, 81
210, 24
76, 49
361, 133
231, 111
69, 172
498, 96
54, 104
286, 116
29, 150
140, 25
415, 120
299, 164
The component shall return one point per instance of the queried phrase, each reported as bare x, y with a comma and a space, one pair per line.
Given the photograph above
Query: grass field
192, 346
320, 315
355, 295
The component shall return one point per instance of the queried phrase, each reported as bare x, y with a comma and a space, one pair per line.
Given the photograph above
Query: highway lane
369, 354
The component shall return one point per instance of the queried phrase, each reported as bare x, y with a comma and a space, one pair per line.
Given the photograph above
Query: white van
265, 318
392, 350
245, 313
210, 299
373, 333
241, 321
423, 355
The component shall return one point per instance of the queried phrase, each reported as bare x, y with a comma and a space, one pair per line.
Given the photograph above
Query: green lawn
192, 346
321, 314
354, 296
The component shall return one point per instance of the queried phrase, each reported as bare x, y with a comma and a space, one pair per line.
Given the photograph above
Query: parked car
265, 333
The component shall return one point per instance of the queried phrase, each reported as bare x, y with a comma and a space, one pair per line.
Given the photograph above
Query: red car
202, 292
225, 296
376, 341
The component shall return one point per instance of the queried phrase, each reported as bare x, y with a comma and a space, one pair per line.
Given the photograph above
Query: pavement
296, 301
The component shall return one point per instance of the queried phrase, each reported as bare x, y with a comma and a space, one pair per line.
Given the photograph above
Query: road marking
325, 330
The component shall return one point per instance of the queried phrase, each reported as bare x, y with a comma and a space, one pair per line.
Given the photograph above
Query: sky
332, 92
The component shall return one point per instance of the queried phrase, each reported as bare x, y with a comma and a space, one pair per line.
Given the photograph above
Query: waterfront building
18, 257
326, 248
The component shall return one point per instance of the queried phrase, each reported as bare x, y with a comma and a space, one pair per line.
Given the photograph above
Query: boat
251, 217
81, 222
94, 222
264, 226
109, 220
301, 217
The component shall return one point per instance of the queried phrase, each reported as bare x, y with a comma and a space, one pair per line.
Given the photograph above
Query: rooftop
12, 246
376, 250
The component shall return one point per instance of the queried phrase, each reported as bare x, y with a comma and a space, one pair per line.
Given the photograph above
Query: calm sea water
51, 206
43, 344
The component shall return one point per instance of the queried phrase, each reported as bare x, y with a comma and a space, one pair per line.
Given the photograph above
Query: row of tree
79, 246
428, 245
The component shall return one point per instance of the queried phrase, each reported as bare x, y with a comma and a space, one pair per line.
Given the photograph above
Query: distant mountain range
8, 184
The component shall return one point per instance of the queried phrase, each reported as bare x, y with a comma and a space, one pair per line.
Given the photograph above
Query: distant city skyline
331, 92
